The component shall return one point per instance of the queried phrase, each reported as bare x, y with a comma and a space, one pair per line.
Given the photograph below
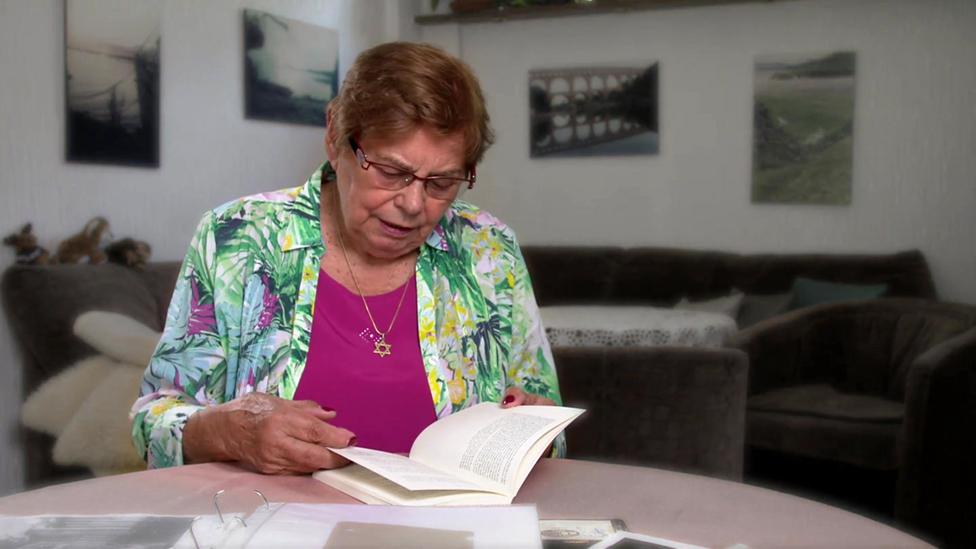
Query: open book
478, 456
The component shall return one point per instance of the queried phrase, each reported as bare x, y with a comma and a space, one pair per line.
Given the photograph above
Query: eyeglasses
393, 178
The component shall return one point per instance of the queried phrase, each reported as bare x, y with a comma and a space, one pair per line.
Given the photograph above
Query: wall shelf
498, 15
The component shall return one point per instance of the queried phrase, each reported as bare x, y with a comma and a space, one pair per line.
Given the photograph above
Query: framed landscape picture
803, 128
112, 82
291, 69
593, 111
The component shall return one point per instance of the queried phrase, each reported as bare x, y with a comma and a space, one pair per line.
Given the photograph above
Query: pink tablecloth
677, 506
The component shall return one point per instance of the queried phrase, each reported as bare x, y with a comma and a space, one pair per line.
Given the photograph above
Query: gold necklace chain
381, 347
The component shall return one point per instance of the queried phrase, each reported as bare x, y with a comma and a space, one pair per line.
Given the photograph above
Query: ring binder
281, 524
216, 504
223, 526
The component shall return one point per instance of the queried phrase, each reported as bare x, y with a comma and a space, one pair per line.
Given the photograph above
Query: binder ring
193, 534
216, 504
266, 504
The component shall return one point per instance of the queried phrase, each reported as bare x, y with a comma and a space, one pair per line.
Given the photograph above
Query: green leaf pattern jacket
241, 314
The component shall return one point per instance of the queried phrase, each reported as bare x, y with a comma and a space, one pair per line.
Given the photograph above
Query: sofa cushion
117, 336
756, 308
822, 400
42, 303
819, 421
807, 292
728, 305
868, 444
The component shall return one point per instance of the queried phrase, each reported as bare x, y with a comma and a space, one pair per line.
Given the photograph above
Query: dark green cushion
807, 292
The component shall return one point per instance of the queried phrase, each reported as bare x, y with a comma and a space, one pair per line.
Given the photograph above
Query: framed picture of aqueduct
593, 111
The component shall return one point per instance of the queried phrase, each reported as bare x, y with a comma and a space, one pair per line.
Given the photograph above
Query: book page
408, 473
492, 452
486, 444
371, 488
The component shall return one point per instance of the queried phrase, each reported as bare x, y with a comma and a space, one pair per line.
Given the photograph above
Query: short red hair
394, 88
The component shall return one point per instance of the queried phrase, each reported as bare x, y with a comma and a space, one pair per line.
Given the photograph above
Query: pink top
385, 401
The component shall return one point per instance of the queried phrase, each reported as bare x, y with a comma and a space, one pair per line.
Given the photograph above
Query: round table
682, 507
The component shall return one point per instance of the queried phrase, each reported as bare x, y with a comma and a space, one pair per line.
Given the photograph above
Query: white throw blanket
86, 407
634, 326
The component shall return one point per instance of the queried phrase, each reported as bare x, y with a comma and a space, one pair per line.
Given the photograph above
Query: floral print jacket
241, 314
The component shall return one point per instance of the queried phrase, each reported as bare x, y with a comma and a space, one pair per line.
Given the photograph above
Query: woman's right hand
268, 434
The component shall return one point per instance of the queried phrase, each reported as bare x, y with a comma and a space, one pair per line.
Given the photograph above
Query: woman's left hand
515, 396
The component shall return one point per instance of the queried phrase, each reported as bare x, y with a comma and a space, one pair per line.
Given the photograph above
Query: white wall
914, 182
209, 152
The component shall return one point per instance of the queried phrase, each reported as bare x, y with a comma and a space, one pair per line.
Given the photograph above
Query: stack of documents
287, 525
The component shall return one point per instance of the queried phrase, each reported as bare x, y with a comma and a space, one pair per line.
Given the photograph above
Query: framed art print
803, 128
291, 69
112, 74
593, 111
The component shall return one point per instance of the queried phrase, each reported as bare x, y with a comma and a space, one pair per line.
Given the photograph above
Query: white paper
446, 444
613, 539
92, 531
410, 474
492, 451
311, 525
483, 453
209, 531
369, 487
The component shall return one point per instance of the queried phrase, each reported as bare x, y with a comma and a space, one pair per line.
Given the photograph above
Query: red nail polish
352, 441
327, 409
509, 399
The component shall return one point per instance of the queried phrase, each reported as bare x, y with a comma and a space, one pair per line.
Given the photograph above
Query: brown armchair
679, 408
886, 384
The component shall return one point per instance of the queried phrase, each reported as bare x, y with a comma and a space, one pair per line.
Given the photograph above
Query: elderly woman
359, 307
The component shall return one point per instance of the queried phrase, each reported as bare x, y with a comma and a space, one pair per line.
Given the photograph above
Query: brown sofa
42, 303
661, 276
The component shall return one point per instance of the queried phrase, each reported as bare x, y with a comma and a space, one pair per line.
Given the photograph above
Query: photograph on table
593, 111
803, 128
291, 69
112, 82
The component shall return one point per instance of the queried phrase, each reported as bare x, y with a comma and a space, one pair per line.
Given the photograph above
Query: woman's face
387, 224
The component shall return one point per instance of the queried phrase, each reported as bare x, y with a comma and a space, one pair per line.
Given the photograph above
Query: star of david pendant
382, 348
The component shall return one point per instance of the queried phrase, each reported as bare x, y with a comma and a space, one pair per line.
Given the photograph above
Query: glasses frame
409, 177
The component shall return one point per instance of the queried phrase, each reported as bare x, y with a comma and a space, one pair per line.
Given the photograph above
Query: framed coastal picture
593, 111
803, 128
112, 81
291, 69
